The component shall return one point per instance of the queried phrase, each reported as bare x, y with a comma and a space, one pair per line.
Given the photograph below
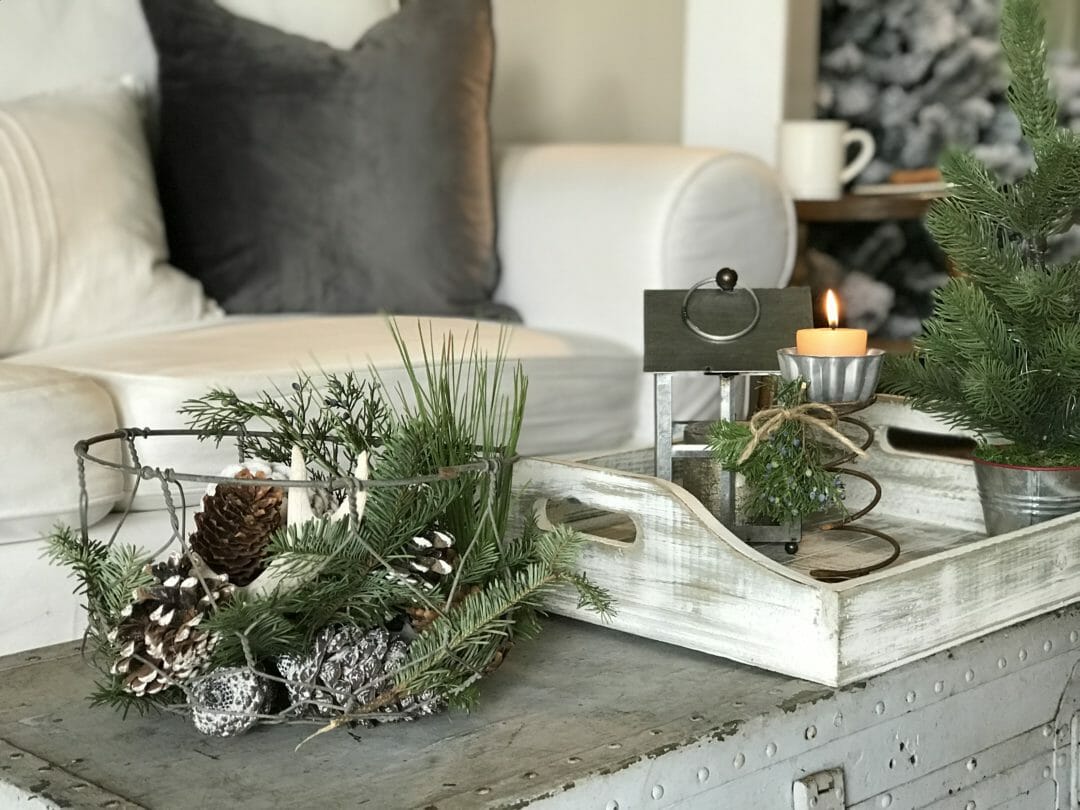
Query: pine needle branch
1023, 39
460, 644
107, 576
1001, 354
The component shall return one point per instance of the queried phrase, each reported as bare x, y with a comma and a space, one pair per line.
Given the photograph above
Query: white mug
812, 157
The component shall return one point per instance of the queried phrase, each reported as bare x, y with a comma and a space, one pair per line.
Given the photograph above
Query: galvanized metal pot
1015, 497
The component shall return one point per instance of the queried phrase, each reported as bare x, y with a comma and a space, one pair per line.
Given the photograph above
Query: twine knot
814, 415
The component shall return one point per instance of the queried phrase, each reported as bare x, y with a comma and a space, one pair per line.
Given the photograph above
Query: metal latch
823, 790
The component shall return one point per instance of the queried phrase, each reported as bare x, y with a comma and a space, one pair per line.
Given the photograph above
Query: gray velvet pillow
298, 177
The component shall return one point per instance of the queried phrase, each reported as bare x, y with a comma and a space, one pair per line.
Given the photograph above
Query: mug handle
862, 158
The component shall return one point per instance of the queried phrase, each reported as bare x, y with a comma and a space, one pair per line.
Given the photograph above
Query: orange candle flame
832, 309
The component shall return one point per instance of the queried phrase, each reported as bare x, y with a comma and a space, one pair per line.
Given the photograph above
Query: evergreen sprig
457, 648
458, 401
1000, 356
785, 475
332, 422
107, 575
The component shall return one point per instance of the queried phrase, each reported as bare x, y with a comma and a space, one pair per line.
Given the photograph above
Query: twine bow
812, 414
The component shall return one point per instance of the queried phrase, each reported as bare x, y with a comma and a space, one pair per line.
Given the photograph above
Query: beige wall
588, 70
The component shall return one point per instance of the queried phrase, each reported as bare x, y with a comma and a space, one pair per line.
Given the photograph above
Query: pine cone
225, 702
160, 640
234, 527
428, 558
421, 617
349, 668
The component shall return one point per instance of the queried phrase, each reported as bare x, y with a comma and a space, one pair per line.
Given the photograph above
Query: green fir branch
590, 596
107, 576
973, 187
332, 422
1048, 198
303, 550
977, 245
395, 514
1000, 356
260, 624
112, 694
281, 623
786, 478
1023, 40
460, 644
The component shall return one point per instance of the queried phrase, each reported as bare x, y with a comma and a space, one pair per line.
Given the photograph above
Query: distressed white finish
687, 580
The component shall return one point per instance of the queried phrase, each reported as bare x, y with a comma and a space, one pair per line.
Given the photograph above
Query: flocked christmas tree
1001, 354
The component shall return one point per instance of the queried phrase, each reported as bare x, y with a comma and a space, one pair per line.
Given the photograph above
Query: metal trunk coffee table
585, 717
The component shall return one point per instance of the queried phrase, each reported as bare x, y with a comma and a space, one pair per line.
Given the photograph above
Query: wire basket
362, 660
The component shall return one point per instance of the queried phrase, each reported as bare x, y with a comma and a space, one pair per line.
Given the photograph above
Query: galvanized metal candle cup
833, 379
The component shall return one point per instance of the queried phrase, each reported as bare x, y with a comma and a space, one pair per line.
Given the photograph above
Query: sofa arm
584, 229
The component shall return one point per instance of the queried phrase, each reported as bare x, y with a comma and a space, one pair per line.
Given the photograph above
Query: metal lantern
721, 330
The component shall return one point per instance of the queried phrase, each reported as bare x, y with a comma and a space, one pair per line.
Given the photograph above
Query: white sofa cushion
336, 22
82, 247
44, 411
582, 390
608, 221
51, 44
39, 599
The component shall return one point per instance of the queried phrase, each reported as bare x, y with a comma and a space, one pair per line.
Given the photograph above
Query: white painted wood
687, 580
747, 66
899, 615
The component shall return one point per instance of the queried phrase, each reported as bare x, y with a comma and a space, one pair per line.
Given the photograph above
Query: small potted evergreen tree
1001, 354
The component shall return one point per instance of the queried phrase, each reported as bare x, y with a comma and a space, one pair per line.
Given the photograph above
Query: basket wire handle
179, 525
129, 437
84, 502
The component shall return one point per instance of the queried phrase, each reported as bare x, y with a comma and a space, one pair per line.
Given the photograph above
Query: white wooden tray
680, 576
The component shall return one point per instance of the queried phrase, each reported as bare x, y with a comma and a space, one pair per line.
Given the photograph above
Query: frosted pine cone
349, 668
227, 701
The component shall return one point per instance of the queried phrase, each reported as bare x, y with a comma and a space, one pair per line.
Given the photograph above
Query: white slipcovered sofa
582, 231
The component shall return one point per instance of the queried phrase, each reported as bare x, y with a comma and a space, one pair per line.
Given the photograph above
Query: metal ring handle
701, 333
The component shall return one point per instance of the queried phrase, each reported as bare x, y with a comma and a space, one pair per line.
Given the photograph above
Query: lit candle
831, 342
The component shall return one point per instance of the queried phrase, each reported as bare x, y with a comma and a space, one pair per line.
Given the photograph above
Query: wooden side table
855, 208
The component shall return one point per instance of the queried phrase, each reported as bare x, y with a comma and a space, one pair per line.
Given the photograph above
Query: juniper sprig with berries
435, 553
785, 475
1001, 354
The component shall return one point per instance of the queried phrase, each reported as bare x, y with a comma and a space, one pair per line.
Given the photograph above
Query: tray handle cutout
906, 442
603, 526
